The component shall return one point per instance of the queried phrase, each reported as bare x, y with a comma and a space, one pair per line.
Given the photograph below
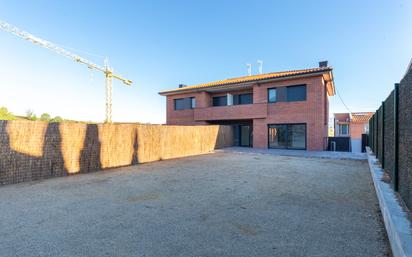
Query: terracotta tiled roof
361, 117
254, 78
356, 117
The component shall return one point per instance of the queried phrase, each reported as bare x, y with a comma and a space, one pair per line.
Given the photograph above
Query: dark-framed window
243, 99
277, 94
287, 136
185, 103
272, 95
287, 94
192, 102
296, 93
219, 100
179, 104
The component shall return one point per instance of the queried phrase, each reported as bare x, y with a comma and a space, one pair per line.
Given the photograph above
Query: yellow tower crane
106, 69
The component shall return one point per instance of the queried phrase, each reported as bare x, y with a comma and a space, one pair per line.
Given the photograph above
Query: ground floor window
287, 136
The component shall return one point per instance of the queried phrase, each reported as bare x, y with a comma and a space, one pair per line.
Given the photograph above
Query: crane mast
106, 69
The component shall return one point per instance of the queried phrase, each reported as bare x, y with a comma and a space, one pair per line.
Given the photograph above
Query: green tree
57, 119
30, 115
45, 117
5, 114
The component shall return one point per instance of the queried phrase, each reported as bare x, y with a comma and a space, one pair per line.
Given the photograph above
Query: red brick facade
313, 112
358, 123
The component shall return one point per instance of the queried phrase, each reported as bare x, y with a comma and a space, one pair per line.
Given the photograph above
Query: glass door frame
287, 124
250, 136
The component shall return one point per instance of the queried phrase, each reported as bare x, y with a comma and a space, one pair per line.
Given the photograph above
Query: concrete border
397, 224
295, 153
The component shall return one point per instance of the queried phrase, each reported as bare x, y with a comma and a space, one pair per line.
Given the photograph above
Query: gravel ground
222, 204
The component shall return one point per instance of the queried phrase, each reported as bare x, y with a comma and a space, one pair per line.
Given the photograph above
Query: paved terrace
298, 153
223, 204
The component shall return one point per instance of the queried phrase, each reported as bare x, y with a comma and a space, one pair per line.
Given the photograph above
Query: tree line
5, 114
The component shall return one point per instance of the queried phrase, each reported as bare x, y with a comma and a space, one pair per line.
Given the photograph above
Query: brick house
352, 125
287, 109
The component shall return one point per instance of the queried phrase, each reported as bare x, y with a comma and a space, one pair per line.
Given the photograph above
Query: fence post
374, 145
377, 134
373, 125
370, 133
395, 179
373, 133
371, 128
383, 136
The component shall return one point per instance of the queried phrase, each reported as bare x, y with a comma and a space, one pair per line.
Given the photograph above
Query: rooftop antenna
249, 69
260, 66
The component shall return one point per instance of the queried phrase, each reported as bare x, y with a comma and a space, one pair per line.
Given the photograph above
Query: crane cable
80, 51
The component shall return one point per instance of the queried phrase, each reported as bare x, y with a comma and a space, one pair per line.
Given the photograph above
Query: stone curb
295, 153
397, 224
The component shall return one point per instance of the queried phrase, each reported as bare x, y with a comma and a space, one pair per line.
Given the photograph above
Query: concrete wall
37, 150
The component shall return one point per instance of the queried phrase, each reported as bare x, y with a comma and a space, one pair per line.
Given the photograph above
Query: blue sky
160, 44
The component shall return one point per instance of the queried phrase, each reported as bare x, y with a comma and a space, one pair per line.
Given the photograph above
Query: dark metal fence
390, 137
339, 144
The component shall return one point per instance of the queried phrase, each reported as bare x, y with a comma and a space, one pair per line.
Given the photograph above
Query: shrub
45, 117
5, 114
57, 119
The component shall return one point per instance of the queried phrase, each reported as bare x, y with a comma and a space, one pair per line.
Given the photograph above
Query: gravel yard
222, 204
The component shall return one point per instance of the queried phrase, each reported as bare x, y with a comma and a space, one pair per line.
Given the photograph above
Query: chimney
323, 64
182, 85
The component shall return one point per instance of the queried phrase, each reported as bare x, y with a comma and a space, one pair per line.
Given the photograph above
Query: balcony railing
231, 112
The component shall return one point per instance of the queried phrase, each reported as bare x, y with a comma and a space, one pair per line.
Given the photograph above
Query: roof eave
189, 90
330, 84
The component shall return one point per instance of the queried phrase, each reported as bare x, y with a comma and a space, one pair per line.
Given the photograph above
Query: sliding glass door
245, 135
287, 136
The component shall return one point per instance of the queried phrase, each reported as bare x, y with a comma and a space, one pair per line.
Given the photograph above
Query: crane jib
107, 70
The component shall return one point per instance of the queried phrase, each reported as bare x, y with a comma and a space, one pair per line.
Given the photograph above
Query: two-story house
352, 125
287, 109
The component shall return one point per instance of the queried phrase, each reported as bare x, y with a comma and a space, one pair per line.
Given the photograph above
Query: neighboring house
352, 125
286, 109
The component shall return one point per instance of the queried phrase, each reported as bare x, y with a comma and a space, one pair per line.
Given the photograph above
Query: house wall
313, 111
356, 130
185, 117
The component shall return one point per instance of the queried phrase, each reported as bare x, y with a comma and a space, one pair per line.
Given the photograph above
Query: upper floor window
296, 93
179, 104
272, 95
243, 99
343, 129
287, 94
185, 103
192, 102
219, 100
